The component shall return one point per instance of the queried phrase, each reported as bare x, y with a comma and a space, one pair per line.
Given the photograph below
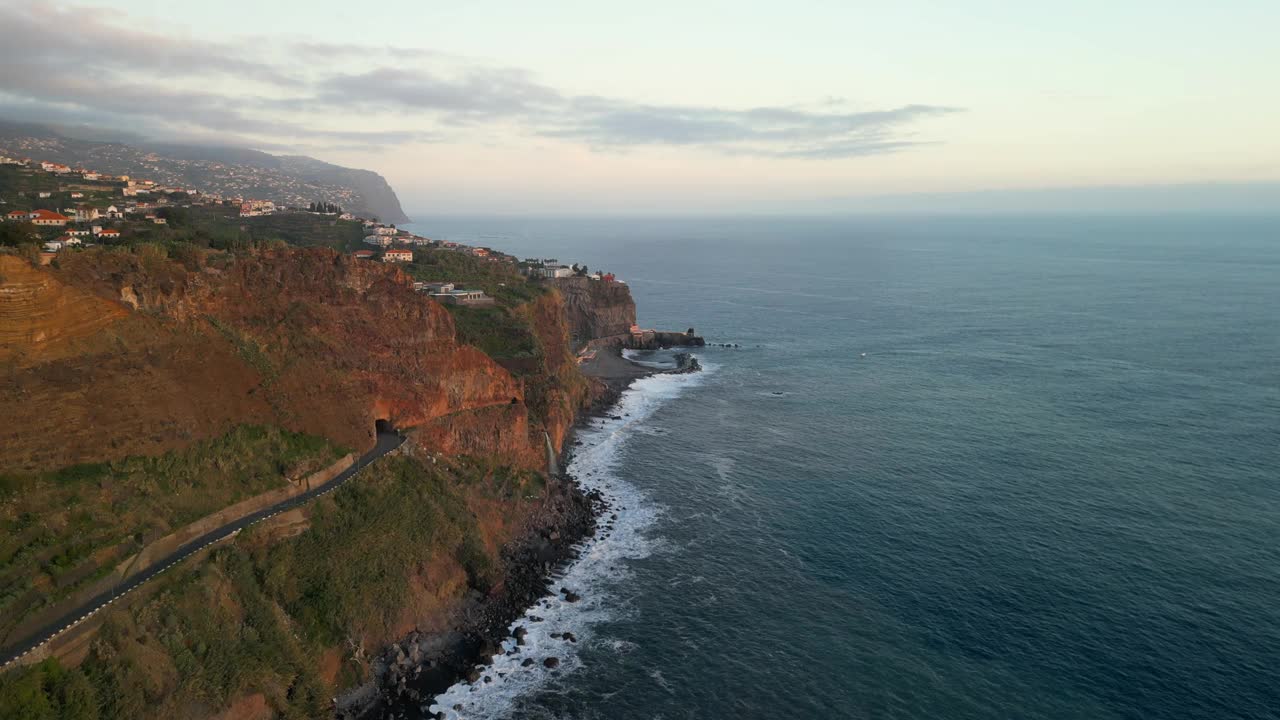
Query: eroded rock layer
123, 353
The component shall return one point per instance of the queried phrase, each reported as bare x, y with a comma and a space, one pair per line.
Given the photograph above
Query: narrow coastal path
388, 440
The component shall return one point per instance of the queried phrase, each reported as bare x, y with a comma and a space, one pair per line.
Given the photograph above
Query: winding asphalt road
387, 441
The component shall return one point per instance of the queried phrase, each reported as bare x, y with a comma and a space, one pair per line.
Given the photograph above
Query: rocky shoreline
410, 673
420, 666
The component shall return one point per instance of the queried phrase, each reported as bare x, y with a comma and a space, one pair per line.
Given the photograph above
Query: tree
175, 217
76, 697
22, 697
13, 234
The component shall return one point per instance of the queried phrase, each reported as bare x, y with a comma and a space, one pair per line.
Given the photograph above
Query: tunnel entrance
383, 427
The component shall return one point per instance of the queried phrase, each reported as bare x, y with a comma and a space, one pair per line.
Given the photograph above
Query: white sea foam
600, 565
653, 359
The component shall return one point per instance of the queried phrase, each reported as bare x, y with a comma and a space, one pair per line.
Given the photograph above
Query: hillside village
229, 173
56, 208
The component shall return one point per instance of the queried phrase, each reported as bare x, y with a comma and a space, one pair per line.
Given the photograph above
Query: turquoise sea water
1049, 489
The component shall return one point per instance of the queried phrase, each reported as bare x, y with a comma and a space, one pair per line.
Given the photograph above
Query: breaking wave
598, 568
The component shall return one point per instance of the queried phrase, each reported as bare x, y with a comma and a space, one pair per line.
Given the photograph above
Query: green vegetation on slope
17, 182
257, 615
499, 280
47, 692
60, 531
502, 331
215, 226
307, 230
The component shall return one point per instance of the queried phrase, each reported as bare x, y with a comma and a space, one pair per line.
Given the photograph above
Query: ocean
965, 467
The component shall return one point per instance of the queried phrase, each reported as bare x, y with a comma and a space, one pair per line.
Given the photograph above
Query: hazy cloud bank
107, 72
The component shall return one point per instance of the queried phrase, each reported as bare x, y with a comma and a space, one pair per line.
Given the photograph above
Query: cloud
768, 131
295, 92
87, 42
478, 92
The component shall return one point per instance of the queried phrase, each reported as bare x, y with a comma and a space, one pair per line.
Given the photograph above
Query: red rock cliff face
307, 339
596, 309
560, 391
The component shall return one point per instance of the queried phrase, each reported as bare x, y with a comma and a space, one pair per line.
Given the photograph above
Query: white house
113, 213
253, 208
462, 297
397, 256
551, 271
48, 218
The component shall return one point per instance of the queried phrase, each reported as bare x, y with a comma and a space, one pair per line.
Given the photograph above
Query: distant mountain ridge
228, 171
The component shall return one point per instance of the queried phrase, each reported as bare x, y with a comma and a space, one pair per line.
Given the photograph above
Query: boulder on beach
551, 662
527, 662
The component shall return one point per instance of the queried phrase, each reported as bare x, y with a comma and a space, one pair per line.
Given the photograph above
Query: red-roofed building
48, 218
109, 234
397, 256
363, 254
18, 216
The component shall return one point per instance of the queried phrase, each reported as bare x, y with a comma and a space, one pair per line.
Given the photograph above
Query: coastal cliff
130, 366
596, 309
308, 340
222, 170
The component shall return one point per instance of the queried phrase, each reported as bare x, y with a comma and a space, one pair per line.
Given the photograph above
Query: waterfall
552, 470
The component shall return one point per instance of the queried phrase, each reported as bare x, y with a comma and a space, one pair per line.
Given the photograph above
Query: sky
486, 106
